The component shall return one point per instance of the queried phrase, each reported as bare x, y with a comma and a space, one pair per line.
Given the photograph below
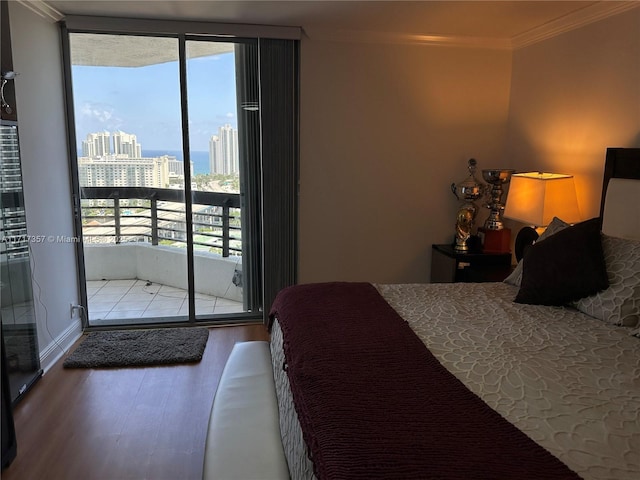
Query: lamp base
495, 241
525, 238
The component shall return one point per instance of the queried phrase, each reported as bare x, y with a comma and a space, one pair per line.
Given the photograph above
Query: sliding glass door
161, 176
215, 185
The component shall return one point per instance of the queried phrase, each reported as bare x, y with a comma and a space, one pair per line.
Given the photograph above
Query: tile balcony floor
138, 301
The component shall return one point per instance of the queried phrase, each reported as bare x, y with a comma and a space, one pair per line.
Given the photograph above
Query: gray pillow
515, 278
620, 303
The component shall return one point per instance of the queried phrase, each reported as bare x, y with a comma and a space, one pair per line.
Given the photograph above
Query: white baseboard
60, 345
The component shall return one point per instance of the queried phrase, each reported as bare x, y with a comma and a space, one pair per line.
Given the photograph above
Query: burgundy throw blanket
374, 403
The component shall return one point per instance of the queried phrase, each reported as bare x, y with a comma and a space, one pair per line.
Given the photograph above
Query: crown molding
367, 36
579, 18
43, 9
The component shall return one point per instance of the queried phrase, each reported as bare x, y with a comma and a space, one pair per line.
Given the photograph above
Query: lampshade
536, 197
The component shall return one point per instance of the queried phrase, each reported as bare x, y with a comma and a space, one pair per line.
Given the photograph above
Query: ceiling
489, 19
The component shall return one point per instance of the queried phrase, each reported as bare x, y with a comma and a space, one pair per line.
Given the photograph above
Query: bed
458, 380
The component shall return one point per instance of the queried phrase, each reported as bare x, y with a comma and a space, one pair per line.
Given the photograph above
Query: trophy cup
495, 238
468, 191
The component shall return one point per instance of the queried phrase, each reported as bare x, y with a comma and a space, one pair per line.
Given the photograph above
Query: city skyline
119, 145
113, 159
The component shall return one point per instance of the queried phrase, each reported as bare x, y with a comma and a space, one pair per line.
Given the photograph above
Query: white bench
243, 440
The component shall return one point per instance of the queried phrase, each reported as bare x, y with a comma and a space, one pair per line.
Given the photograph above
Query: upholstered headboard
621, 193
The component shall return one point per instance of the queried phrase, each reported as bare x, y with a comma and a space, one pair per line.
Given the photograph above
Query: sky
145, 101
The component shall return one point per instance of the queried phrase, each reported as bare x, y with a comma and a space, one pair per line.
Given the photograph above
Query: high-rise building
215, 159
122, 171
126, 144
97, 145
223, 151
176, 167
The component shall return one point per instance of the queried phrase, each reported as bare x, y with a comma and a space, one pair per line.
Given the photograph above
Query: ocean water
200, 159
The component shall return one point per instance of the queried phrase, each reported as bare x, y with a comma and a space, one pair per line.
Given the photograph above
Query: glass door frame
252, 306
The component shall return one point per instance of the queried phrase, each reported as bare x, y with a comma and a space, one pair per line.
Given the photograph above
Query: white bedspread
570, 382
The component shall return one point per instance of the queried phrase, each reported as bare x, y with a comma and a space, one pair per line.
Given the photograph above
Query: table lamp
535, 198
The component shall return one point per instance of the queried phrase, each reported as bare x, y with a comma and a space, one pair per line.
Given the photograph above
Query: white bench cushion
243, 440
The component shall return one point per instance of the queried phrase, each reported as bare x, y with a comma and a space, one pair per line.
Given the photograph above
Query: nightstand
448, 266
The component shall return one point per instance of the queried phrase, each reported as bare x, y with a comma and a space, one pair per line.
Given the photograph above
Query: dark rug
136, 348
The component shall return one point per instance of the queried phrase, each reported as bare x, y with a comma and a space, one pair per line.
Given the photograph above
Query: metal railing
157, 216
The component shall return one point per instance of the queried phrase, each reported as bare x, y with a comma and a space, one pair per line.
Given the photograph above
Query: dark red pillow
564, 267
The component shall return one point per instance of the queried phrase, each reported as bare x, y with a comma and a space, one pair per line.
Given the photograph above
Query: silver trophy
496, 178
469, 190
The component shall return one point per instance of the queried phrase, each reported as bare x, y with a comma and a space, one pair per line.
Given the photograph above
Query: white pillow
620, 303
515, 278
619, 219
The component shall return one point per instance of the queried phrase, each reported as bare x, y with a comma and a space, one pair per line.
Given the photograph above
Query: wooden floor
131, 423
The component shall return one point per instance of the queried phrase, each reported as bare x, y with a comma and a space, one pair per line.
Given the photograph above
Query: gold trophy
469, 190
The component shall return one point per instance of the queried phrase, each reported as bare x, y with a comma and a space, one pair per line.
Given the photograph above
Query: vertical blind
279, 89
247, 90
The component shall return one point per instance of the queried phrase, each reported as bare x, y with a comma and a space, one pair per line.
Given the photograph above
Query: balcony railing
157, 216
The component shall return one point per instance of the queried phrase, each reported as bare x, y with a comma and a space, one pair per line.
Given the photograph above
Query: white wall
385, 130
574, 95
47, 191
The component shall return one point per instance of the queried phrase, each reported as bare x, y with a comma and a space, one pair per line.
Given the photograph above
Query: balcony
135, 253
